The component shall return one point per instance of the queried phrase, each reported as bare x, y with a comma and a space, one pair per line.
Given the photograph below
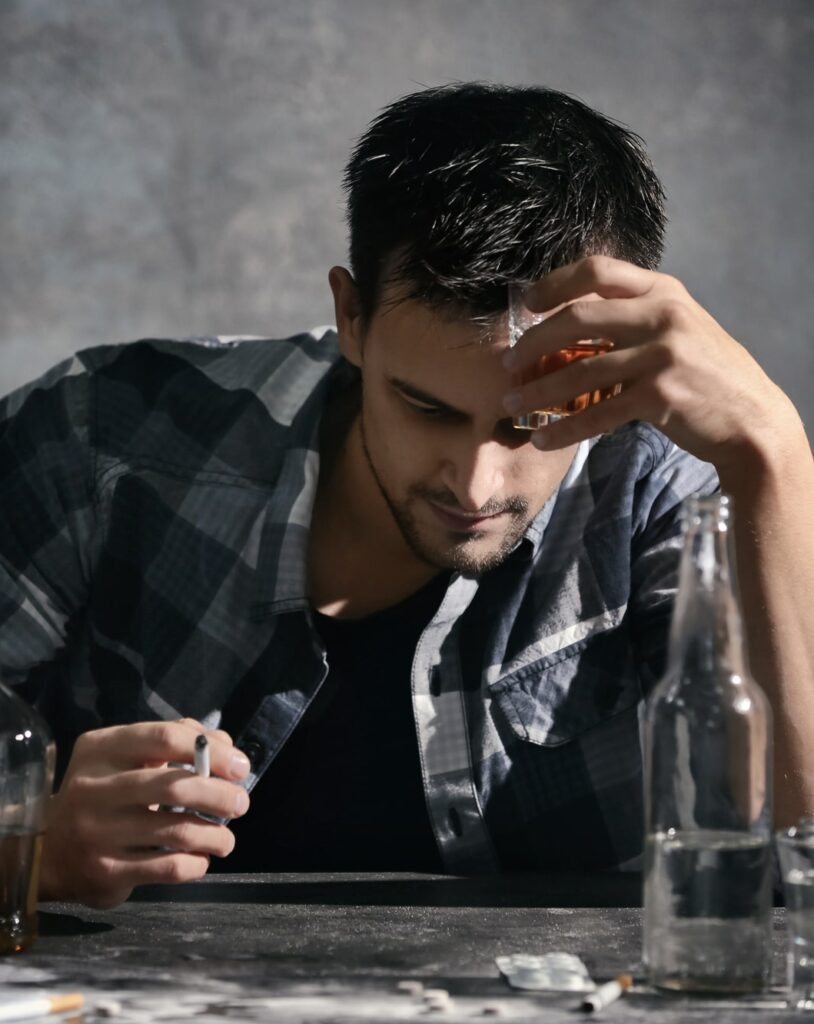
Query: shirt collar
283, 554
532, 540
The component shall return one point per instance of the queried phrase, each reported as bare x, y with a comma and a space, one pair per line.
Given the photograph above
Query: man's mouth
463, 522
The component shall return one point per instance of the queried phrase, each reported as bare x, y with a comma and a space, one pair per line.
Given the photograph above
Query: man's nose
475, 475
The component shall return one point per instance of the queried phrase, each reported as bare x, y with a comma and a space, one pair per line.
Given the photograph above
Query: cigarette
202, 756
607, 993
24, 1009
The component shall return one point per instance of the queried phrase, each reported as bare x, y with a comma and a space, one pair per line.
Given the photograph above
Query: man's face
461, 483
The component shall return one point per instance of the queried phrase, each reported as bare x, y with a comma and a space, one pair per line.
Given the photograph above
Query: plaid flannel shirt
155, 500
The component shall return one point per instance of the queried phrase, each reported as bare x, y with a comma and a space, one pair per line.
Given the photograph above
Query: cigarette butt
25, 1009
607, 993
70, 1001
202, 766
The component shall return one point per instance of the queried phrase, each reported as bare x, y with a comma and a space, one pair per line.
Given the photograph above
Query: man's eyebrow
422, 396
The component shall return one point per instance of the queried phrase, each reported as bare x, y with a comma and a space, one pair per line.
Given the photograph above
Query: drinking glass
521, 318
795, 847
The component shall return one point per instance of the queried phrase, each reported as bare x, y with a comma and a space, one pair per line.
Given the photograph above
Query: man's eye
431, 412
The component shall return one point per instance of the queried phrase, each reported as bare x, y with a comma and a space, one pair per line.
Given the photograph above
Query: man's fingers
614, 320
127, 746
173, 787
155, 831
179, 788
599, 373
114, 778
219, 734
106, 879
603, 418
608, 277
188, 834
142, 867
145, 830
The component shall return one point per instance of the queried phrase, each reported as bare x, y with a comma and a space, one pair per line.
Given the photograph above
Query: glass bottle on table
27, 756
707, 750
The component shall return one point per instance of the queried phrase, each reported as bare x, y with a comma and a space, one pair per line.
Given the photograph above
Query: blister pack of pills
550, 972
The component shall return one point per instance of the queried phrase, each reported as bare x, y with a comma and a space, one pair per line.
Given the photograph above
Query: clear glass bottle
707, 751
27, 756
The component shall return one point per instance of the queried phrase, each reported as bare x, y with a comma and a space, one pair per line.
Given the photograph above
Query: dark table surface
334, 947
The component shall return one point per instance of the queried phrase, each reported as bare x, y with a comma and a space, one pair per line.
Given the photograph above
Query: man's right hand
106, 831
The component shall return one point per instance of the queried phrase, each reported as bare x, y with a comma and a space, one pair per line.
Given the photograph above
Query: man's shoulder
635, 480
212, 355
225, 403
210, 402
620, 483
639, 452
155, 364
636, 444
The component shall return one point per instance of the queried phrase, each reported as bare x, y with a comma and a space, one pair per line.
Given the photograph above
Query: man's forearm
773, 494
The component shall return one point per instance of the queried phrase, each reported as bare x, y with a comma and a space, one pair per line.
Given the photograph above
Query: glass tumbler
795, 848
521, 318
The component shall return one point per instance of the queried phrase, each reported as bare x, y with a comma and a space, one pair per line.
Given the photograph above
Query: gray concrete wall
172, 166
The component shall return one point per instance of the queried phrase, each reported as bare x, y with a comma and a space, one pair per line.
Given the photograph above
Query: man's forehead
408, 321
451, 363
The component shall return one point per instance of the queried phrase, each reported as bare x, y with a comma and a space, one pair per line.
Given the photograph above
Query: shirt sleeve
47, 517
657, 550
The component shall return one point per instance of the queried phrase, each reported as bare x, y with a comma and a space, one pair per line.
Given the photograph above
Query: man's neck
358, 560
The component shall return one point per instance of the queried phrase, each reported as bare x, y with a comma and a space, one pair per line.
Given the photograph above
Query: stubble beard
460, 556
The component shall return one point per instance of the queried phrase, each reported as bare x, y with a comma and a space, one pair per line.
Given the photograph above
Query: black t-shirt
345, 793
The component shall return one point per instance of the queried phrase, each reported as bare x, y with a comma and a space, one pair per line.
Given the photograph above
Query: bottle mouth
699, 509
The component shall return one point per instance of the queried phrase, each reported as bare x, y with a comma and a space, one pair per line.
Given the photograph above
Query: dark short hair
454, 192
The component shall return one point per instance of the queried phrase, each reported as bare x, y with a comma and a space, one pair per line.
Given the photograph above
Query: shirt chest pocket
562, 695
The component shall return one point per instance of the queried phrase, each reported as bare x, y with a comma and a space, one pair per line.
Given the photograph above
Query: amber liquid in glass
556, 361
19, 884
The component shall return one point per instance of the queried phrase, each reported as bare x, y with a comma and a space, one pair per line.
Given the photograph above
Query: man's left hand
678, 368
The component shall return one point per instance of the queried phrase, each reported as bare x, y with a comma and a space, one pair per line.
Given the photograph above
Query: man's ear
348, 311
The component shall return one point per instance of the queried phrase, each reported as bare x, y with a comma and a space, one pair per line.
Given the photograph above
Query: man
428, 633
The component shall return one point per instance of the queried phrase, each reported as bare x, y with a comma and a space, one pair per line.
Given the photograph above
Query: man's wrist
770, 459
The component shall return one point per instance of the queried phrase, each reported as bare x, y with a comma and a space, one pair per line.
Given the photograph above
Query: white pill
108, 1007
435, 993
411, 987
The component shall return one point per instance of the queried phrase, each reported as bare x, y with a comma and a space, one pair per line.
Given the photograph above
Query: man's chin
472, 555
470, 563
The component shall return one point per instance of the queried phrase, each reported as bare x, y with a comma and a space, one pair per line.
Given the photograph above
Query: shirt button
254, 752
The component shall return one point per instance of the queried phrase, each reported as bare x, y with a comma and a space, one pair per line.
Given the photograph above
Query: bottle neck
706, 638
